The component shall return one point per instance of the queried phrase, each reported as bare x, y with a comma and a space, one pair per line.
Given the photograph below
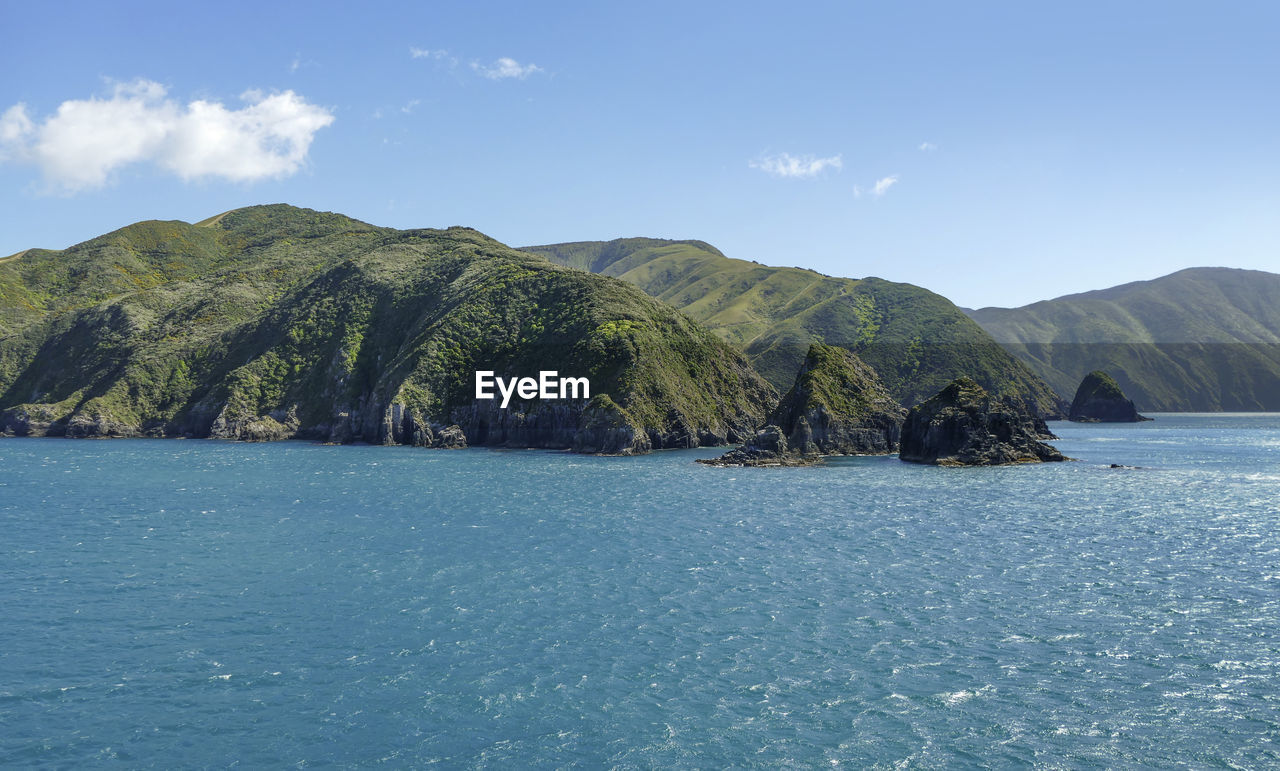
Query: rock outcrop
767, 447
1099, 399
964, 426
837, 406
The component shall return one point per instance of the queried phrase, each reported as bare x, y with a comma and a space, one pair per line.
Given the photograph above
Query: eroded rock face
837, 406
30, 420
1099, 399
964, 426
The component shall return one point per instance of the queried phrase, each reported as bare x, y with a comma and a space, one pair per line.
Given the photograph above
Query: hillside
274, 322
1201, 339
917, 341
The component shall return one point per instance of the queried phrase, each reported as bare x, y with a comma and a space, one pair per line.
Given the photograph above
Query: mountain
917, 341
1201, 339
274, 322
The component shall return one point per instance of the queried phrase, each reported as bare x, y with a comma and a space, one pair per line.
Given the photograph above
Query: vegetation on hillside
917, 341
274, 321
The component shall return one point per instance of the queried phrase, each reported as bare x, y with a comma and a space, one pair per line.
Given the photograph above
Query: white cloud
882, 185
787, 165
927, 147
15, 127
505, 68
86, 140
438, 55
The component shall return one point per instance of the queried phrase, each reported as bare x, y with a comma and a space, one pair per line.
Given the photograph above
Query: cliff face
964, 426
275, 322
1099, 399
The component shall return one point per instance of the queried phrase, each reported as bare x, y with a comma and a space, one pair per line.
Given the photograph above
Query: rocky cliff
1099, 399
964, 426
837, 406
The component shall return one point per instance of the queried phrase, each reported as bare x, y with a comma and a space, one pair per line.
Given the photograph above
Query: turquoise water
198, 603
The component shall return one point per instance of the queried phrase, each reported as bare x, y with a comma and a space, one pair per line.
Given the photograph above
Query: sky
997, 153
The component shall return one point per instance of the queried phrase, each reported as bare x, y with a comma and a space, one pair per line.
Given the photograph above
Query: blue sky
997, 153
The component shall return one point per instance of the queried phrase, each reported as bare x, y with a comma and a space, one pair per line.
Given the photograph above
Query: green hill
917, 341
274, 322
1201, 339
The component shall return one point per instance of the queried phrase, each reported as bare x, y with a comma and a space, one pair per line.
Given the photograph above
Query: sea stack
1100, 400
837, 406
964, 426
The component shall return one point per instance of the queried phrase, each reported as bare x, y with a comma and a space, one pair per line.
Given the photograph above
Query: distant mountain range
917, 341
1201, 339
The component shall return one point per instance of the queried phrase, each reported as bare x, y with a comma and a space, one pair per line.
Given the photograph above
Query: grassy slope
916, 340
165, 326
1199, 339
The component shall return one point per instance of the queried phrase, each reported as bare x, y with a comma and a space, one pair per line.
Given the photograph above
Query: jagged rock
767, 448
837, 406
450, 438
607, 429
964, 426
277, 425
1099, 399
84, 426
30, 420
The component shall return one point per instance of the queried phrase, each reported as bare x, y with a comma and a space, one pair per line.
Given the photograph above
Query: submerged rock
837, 406
964, 426
1099, 399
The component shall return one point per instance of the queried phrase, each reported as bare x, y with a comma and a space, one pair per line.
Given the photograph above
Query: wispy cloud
927, 147
505, 68
85, 141
796, 167
883, 184
298, 63
438, 55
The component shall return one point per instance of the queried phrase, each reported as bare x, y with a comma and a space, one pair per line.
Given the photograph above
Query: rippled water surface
201, 603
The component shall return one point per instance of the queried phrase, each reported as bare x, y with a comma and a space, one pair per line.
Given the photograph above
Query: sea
196, 603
